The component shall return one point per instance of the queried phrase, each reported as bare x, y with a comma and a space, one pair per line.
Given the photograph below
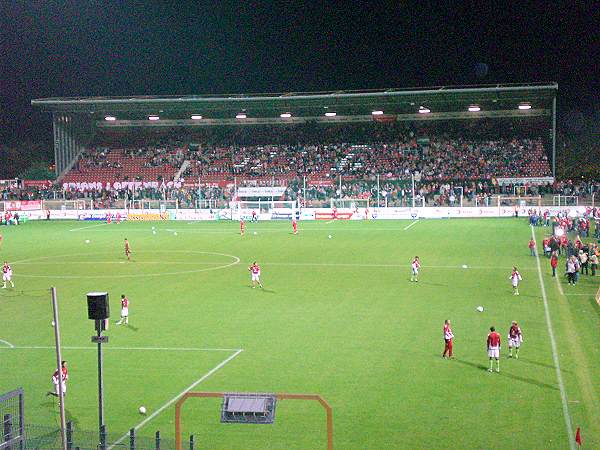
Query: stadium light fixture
423, 110
524, 106
241, 116
377, 112
333, 114
153, 118
110, 118
286, 115
196, 117
474, 108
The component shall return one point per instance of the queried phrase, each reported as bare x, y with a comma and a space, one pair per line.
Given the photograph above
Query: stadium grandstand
475, 140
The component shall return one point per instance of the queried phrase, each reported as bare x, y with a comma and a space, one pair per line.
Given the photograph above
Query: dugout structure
76, 120
251, 408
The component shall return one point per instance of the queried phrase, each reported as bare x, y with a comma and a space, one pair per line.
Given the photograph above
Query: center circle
217, 265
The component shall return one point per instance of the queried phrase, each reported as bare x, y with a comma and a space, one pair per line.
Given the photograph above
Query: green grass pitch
337, 317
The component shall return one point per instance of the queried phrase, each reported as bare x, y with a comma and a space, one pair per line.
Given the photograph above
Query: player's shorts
6, 277
515, 283
64, 388
514, 342
255, 277
124, 312
415, 271
494, 352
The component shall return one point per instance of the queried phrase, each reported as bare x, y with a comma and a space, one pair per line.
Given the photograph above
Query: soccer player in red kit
515, 337
63, 380
124, 310
255, 271
448, 336
127, 250
493, 348
242, 227
118, 218
295, 226
108, 218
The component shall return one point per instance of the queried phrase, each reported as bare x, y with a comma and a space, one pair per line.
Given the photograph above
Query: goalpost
264, 205
251, 408
520, 201
349, 203
565, 200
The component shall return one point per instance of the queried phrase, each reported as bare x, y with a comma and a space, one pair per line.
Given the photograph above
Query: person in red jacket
554, 263
532, 247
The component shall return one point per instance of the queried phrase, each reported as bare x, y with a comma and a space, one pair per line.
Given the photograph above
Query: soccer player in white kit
515, 278
7, 275
124, 310
515, 338
415, 265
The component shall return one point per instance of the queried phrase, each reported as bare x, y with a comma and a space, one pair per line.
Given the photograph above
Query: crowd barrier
300, 214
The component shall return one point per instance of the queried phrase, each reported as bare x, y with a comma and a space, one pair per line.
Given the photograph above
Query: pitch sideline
561, 385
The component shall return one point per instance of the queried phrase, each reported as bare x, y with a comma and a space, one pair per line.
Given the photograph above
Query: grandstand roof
499, 100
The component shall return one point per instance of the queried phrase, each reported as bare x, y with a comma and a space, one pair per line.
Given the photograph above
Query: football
329, 236
87, 241
142, 410
480, 308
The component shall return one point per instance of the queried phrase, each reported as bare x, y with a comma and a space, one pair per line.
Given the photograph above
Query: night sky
80, 48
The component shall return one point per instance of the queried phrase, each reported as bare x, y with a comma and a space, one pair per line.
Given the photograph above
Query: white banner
529, 181
265, 191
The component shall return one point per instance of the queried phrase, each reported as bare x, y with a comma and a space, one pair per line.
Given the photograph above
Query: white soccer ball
153, 231
142, 410
175, 233
329, 236
480, 308
87, 241
464, 266
53, 323
255, 232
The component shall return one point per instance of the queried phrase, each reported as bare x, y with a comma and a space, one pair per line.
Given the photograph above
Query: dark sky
83, 48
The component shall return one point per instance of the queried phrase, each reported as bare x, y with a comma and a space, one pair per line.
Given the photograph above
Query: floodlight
524, 106
474, 108
241, 116
423, 110
285, 115
196, 117
153, 118
377, 113
110, 118
332, 114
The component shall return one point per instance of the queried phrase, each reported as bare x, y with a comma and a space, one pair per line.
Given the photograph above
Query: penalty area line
167, 349
8, 344
561, 385
407, 227
178, 396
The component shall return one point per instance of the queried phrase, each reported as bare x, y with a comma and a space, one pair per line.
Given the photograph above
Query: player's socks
498, 366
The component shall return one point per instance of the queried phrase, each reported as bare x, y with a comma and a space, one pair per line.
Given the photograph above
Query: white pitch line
7, 343
177, 397
87, 227
169, 349
406, 228
375, 265
330, 221
561, 386
584, 295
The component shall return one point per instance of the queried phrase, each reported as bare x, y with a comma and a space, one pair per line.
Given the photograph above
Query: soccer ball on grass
142, 410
